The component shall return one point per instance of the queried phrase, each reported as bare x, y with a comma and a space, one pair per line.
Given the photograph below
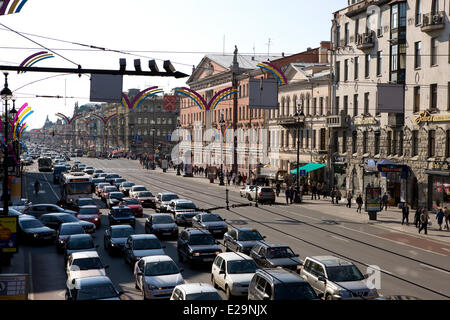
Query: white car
182, 210
233, 272
84, 264
157, 276
246, 190
195, 291
135, 189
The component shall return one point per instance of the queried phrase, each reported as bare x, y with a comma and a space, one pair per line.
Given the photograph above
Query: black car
121, 215
110, 177
96, 181
113, 199
271, 256
118, 181
197, 246
116, 236
92, 288
31, 230
83, 202
64, 232
38, 210
54, 220
161, 225
242, 239
211, 222
78, 243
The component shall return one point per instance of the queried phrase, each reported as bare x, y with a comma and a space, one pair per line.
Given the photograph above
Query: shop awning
309, 167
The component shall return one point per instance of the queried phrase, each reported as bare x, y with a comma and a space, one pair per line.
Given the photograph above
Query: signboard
373, 199
106, 88
365, 121
302, 173
425, 116
263, 94
170, 103
438, 165
8, 234
14, 286
390, 168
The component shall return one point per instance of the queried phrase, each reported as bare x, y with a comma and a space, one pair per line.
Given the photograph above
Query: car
336, 279
162, 225
195, 291
31, 230
38, 210
121, 215
246, 190
232, 272
125, 187
146, 198
13, 212
54, 220
211, 222
118, 181
78, 243
99, 188
156, 276
163, 199
96, 181
97, 172
268, 255
183, 211
83, 265
106, 190
21, 205
242, 239
65, 230
134, 205
115, 237
111, 176
197, 246
92, 288
141, 245
83, 202
90, 214
136, 188
262, 194
279, 284
113, 199
89, 171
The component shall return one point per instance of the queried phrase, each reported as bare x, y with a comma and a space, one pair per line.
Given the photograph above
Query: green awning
309, 167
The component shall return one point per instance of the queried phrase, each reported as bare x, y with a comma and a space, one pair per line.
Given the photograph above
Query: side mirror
322, 279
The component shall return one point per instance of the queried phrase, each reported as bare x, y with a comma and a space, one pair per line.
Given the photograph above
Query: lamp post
299, 117
178, 165
221, 123
6, 95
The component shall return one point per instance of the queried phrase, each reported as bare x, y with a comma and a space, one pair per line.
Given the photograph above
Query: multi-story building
391, 99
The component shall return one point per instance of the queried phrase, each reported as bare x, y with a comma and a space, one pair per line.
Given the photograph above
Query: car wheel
328, 297
249, 197
228, 293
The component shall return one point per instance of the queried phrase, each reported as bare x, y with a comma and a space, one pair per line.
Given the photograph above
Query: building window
433, 96
418, 54
307, 105
338, 71
379, 62
364, 142
346, 34
354, 142
366, 103
431, 143
400, 143
367, 66
434, 44
377, 142
307, 139
314, 106
389, 143
356, 68
314, 139
415, 143
346, 70
418, 12
346, 105
447, 144
338, 36
356, 28
344, 141
416, 99
434, 6
337, 106
321, 103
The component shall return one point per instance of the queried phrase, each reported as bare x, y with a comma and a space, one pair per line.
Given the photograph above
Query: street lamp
299, 118
221, 123
178, 165
6, 95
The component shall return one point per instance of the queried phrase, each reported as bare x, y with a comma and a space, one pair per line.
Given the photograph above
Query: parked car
211, 222
183, 211
141, 245
90, 214
111, 176
336, 279
115, 237
106, 190
195, 291
271, 256
38, 210
245, 191
134, 189
31, 230
83, 265
197, 246
162, 225
113, 199
99, 188
118, 181
21, 205
89, 171
242, 239
78, 243
14, 213
156, 276
65, 230
232, 273
83, 202
163, 199
54, 220
97, 173
279, 284
121, 215
92, 288
134, 205
146, 198
262, 194
125, 187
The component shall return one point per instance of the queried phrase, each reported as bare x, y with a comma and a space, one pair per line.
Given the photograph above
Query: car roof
92, 281
280, 275
26, 217
143, 236
197, 231
138, 185
233, 256
244, 229
167, 193
190, 288
79, 236
182, 201
157, 258
271, 245
68, 224
161, 215
89, 206
331, 261
121, 208
85, 254
122, 226
85, 199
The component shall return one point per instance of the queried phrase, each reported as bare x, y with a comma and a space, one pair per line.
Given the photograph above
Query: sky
176, 30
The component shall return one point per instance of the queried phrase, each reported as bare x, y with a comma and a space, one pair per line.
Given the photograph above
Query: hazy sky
182, 31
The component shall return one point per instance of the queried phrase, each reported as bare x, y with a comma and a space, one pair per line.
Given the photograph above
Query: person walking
440, 218
349, 199
338, 196
313, 192
446, 217
424, 220
333, 194
287, 193
37, 186
417, 217
278, 189
359, 202
405, 213
385, 201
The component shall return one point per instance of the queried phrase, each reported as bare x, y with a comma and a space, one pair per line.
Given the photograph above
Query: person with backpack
405, 213
359, 202
424, 220
440, 218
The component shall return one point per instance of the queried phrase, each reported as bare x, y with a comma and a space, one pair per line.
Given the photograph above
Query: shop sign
425, 116
438, 165
373, 199
370, 165
338, 159
390, 168
365, 121
340, 169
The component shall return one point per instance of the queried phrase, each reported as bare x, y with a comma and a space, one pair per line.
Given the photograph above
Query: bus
79, 152
45, 164
75, 185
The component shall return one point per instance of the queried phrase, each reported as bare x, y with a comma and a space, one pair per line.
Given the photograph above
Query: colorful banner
67, 120
170, 102
8, 234
104, 120
140, 97
201, 102
11, 6
35, 58
278, 74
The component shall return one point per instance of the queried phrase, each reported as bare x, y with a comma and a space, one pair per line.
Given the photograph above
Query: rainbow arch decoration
19, 119
219, 96
201, 102
35, 58
105, 120
140, 97
11, 6
273, 69
67, 120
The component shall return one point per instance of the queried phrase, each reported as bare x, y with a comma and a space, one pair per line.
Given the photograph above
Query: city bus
75, 185
45, 164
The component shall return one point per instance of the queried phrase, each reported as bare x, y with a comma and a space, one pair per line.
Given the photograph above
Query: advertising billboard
373, 199
8, 234
263, 94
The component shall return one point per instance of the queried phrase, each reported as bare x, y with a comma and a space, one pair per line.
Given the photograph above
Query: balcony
337, 121
433, 21
365, 41
360, 7
287, 121
396, 120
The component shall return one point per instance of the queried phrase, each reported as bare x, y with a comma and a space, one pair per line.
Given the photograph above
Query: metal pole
298, 157
5, 159
235, 70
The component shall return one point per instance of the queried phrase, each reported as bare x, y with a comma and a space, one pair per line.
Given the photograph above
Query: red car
90, 213
134, 205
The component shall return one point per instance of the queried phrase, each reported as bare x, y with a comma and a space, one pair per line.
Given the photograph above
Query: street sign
302, 173
14, 286
8, 234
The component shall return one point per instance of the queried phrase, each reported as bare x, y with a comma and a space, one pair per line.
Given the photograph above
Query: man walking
313, 192
338, 196
359, 202
417, 217
288, 195
405, 213
333, 194
446, 217
385, 201
440, 218
424, 220
349, 199
278, 189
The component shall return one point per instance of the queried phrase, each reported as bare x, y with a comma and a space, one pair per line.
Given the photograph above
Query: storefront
371, 175
393, 180
438, 184
340, 172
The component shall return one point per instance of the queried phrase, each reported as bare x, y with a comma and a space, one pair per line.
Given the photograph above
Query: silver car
262, 194
333, 278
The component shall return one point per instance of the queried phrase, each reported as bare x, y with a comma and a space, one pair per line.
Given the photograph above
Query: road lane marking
339, 238
429, 267
51, 188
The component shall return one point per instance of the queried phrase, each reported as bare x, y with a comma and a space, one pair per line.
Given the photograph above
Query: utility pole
235, 84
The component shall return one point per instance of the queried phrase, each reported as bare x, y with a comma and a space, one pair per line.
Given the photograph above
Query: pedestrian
440, 218
384, 201
359, 202
324, 191
278, 189
424, 220
314, 192
292, 194
349, 199
228, 178
338, 196
37, 185
405, 213
447, 217
234, 178
417, 217
287, 193
333, 194
319, 190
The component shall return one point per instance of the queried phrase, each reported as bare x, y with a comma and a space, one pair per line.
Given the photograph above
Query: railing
433, 21
365, 40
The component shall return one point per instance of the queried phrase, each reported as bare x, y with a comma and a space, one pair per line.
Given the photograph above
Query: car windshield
297, 291
31, 223
145, 194
120, 180
344, 273
162, 220
121, 213
201, 239
86, 202
88, 211
203, 296
169, 197
68, 218
211, 218
252, 235
88, 263
140, 189
186, 205
116, 195
161, 268
279, 252
97, 291
131, 201
73, 229
241, 266
80, 243
122, 232
127, 184
146, 244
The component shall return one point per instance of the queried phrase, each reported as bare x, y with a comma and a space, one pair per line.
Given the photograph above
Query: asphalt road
406, 270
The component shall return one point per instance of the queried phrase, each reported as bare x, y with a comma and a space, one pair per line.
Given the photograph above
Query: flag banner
170, 103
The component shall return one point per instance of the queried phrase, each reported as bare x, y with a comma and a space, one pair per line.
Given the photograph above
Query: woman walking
359, 202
